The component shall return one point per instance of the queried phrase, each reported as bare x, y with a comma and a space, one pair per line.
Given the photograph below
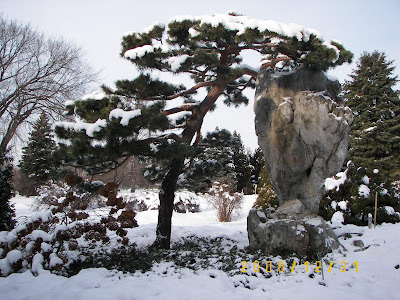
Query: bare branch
36, 74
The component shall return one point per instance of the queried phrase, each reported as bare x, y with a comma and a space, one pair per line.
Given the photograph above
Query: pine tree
257, 164
6, 192
375, 133
134, 119
221, 158
266, 196
37, 164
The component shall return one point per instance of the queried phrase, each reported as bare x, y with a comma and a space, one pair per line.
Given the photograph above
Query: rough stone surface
302, 128
291, 229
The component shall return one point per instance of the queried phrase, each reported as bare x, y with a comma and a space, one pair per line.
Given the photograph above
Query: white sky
97, 25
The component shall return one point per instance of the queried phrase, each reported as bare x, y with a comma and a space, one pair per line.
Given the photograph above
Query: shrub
266, 194
225, 201
353, 195
62, 236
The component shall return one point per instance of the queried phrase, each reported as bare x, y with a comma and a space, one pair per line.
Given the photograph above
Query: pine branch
185, 107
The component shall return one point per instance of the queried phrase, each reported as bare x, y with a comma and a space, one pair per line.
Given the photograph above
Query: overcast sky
97, 26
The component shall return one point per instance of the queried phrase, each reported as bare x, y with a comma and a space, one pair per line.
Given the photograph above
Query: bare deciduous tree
37, 74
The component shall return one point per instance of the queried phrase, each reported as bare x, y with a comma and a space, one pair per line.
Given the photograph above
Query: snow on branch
139, 52
242, 23
89, 128
125, 116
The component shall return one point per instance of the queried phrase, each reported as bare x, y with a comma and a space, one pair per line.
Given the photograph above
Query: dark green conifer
6, 192
37, 163
375, 133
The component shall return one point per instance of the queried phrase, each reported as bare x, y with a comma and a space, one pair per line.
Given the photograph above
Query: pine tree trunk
168, 186
166, 196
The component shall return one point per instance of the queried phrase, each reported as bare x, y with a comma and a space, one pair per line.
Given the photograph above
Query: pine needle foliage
375, 133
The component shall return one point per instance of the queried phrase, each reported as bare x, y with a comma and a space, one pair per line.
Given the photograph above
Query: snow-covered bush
63, 235
51, 193
352, 194
225, 201
147, 199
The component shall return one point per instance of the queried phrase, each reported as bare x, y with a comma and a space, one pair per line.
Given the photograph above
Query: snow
334, 205
37, 263
40, 234
125, 116
45, 216
377, 277
13, 256
331, 77
96, 95
46, 247
314, 221
390, 210
149, 28
241, 23
193, 32
55, 260
139, 52
328, 45
370, 129
365, 179
90, 128
342, 205
363, 191
246, 66
337, 218
336, 182
176, 61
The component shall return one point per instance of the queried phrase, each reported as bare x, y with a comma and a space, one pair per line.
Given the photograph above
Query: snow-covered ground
377, 275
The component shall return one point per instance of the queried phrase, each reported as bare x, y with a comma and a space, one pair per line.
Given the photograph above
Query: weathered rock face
290, 229
302, 128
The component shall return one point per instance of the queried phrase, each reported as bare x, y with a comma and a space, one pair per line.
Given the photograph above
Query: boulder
302, 128
291, 229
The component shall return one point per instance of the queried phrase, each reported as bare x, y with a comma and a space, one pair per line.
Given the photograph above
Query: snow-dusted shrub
147, 199
56, 238
352, 194
186, 201
53, 193
225, 201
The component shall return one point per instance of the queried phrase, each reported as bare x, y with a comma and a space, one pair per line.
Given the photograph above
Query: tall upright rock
302, 128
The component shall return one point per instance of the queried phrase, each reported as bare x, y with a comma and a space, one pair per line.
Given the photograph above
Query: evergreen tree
375, 133
257, 164
134, 119
37, 163
355, 197
221, 158
266, 196
243, 167
6, 192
